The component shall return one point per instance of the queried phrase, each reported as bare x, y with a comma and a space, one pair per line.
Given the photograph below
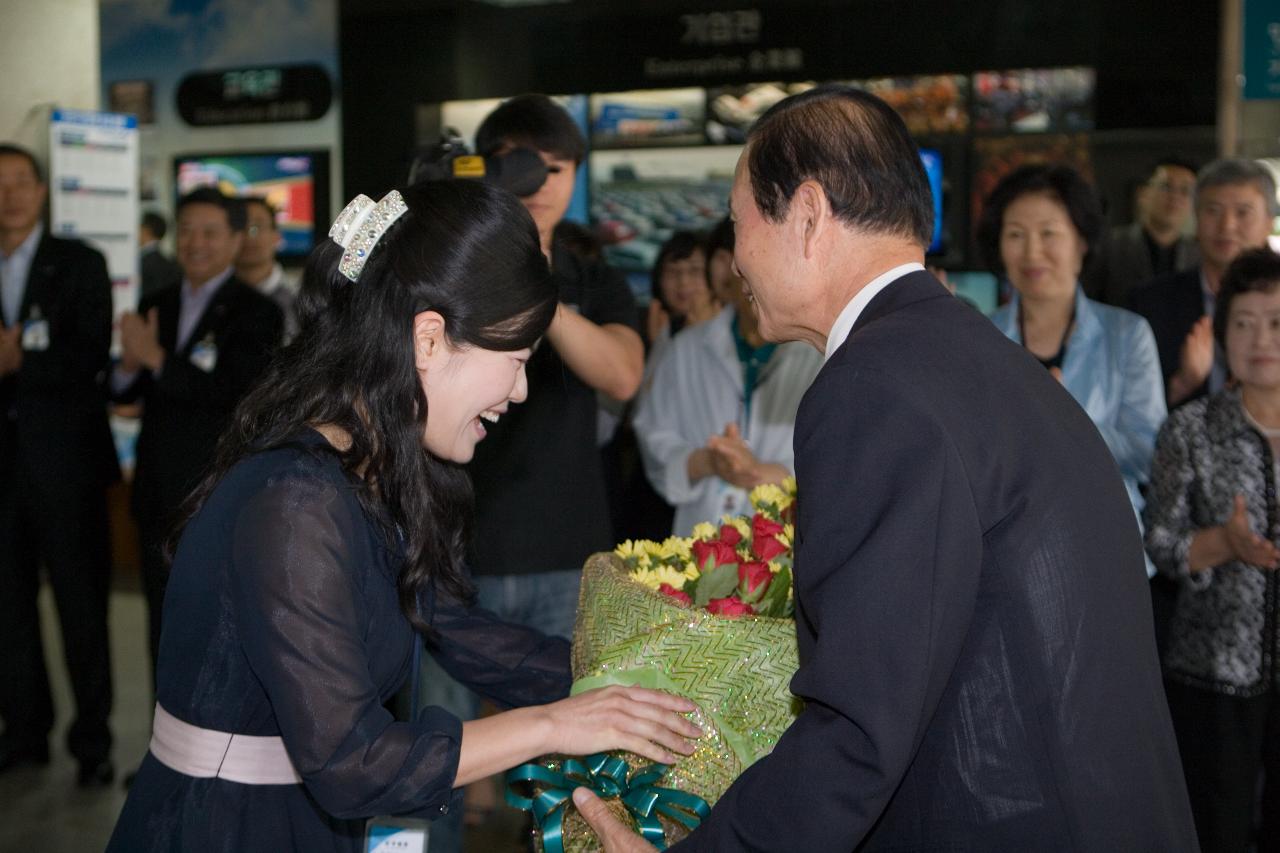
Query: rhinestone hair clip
360, 226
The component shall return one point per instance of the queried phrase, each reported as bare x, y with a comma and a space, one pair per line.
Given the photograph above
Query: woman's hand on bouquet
646, 722
614, 835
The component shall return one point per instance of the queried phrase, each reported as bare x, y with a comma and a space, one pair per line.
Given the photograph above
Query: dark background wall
1156, 61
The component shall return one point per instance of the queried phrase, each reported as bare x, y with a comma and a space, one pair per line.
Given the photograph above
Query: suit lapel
169, 305
1191, 299
215, 313
41, 279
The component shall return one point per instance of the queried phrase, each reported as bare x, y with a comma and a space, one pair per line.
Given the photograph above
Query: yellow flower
743, 527
789, 486
775, 567
675, 577
646, 577
770, 494
704, 530
678, 546
658, 575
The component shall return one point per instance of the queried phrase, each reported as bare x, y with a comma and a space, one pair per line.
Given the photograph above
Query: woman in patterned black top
1212, 525
333, 526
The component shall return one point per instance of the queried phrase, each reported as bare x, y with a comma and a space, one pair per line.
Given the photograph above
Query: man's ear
812, 214
428, 339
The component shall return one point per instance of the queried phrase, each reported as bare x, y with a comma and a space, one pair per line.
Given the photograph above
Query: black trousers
64, 527
1227, 744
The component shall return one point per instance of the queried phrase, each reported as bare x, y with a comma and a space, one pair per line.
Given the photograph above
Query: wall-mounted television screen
932, 161
296, 183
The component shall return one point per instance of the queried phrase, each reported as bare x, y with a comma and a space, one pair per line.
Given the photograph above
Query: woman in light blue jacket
1037, 229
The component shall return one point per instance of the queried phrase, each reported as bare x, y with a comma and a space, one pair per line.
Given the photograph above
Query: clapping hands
1249, 547
140, 341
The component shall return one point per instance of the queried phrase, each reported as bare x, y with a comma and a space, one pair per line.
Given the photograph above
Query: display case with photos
662, 161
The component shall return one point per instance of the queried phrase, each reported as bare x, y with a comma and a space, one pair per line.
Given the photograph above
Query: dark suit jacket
976, 651
186, 409
158, 271
1124, 263
1172, 304
57, 395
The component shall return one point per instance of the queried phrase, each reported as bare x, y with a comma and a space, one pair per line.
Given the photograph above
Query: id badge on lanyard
204, 355
396, 835
35, 332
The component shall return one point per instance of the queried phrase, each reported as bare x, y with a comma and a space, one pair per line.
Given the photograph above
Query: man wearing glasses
1156, 243
256, 263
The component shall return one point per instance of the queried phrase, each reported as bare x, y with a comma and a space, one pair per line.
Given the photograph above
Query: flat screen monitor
296, 183
932, 161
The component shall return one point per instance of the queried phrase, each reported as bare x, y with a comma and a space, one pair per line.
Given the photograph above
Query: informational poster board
93, 191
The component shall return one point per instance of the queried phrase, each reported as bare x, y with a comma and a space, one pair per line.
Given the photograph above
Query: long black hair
464, 249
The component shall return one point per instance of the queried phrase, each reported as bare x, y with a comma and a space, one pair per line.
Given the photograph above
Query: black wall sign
254, 95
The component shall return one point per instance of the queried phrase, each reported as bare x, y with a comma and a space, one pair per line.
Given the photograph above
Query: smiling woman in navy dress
332, 527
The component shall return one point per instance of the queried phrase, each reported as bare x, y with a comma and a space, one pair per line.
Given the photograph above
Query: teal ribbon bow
607, 776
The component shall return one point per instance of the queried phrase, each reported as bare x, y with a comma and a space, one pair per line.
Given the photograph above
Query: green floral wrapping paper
737, 671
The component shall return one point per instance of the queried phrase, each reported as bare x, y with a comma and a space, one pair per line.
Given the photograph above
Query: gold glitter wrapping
737, 670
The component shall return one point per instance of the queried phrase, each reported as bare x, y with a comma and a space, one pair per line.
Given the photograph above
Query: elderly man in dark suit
56, 461
190, 353
976, 657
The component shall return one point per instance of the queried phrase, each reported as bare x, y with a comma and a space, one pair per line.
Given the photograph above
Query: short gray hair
1239, 171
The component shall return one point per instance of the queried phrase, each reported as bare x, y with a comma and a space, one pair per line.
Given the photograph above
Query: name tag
396, 835
204, 355
35, 335
732, 499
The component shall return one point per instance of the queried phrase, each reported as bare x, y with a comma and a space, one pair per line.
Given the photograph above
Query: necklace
1061, 355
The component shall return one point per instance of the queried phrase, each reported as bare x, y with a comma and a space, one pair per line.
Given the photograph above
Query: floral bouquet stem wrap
736, 668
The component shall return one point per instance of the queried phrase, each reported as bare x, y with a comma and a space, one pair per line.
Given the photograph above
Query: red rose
753, 578
766, 547
678, 594
764, 543
730, 534
720, 553
731, 607
761, 526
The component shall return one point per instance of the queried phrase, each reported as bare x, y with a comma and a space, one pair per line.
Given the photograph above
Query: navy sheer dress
282, 618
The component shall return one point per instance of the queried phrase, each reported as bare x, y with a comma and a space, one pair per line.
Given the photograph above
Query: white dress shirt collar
844, 323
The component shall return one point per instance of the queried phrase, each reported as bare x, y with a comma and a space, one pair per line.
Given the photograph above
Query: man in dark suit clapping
976, 652
56, 461
190, 353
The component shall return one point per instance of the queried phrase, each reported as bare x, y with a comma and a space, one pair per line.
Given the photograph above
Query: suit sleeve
242, 357
80, 339
887, 565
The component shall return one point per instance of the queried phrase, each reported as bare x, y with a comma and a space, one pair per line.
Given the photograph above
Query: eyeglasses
1183, 190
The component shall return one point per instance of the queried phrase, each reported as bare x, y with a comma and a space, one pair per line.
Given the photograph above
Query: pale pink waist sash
208, 754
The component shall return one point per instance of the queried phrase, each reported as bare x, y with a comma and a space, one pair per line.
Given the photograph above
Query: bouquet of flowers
707, 617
